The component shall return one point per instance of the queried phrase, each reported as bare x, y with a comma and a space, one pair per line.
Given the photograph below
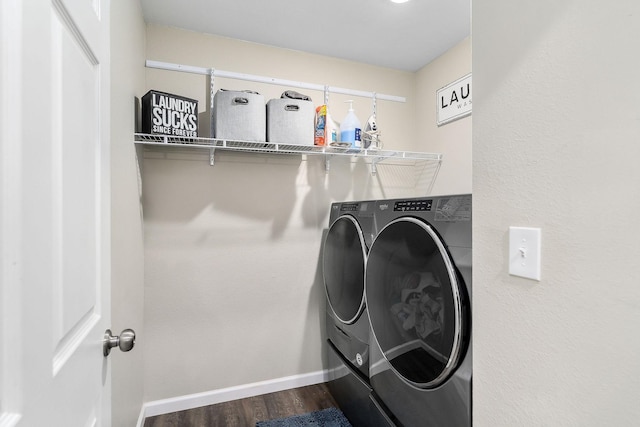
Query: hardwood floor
246, 412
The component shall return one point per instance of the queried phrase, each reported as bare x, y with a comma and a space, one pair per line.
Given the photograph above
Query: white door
54, 213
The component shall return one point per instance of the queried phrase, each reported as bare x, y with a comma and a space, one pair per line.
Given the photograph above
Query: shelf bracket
212, 158
375, 104
212, 87
374, 166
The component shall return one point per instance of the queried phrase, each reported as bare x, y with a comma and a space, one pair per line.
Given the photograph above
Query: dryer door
416, 302
343, 268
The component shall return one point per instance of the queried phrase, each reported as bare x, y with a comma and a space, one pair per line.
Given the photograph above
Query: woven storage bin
290, 121
238, 116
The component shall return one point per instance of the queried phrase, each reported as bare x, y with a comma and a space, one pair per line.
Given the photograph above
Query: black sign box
167, 114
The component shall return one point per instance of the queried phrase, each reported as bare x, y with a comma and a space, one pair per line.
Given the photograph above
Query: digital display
413, 205
349, 207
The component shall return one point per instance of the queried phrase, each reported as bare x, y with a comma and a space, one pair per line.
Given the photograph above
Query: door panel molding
70, 343
67, 19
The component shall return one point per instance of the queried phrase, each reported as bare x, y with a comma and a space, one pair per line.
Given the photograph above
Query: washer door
343, 268
416, 303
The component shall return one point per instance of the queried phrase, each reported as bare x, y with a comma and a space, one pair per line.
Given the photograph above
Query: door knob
125, 341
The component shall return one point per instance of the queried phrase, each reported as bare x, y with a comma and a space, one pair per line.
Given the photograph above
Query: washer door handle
125, 341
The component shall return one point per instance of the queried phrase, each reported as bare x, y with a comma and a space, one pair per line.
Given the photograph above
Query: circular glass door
416, 303
343, 268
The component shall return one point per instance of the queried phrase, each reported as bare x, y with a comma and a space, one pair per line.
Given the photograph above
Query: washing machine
418, 296
345, 252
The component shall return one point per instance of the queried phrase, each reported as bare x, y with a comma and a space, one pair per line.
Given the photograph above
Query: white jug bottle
350, 130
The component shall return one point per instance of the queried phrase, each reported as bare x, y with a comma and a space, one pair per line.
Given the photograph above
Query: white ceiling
400, 36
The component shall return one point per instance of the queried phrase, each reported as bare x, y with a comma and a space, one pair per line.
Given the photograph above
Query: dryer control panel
361, 207
349, 207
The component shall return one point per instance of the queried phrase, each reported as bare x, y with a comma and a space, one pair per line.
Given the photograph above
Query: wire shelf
277, 148
423, 167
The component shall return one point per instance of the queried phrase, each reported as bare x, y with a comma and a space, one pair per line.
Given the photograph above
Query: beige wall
233, 291
127, 273
556, 132
453, 139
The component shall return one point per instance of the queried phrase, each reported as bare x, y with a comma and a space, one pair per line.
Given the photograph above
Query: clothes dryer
418, 296
344, 259
347, 324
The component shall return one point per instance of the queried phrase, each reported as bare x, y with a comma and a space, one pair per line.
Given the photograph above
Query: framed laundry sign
454, 100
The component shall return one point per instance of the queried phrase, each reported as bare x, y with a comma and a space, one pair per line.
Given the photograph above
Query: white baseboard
180, 403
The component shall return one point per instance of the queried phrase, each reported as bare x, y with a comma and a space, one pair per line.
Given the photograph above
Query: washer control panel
413, 205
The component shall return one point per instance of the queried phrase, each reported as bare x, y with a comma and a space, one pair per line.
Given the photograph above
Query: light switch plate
524, 252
